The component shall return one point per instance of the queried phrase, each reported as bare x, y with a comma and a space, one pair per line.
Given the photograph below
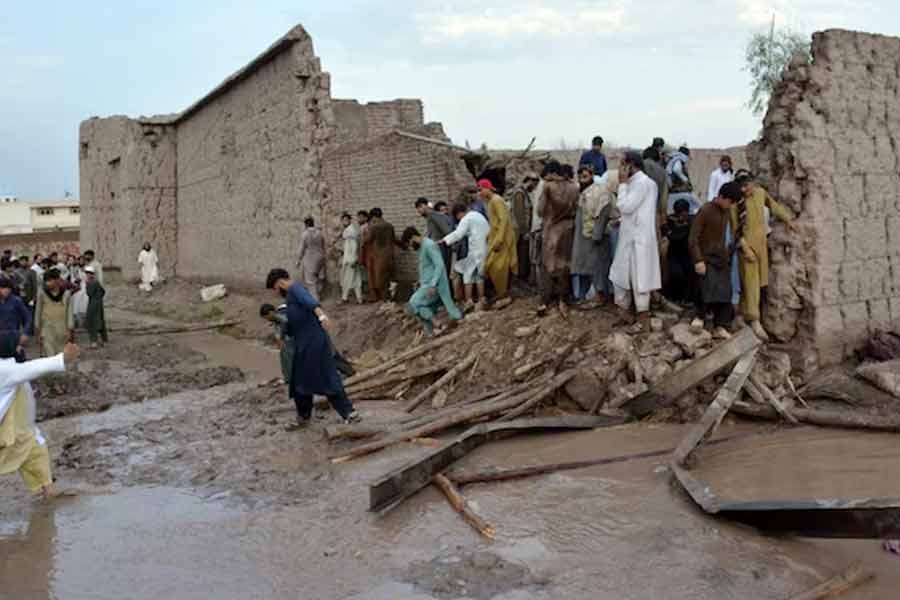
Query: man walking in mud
314, 370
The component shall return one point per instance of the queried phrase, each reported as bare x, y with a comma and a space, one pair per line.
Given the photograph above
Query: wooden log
458, 418
665, 392
354, 432
387, 491
837, 385
461, 506
770, 397
167, 329
567, 350
394, 378
823, 418
539, 396
718, 408
403, 357
845, 581
448, 377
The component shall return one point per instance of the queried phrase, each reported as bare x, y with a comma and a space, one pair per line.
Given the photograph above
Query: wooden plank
401, 358
762, 390
395, 378
668, 390
845, 581
718, 408
461, 505
844, 419
406, 480
445, 380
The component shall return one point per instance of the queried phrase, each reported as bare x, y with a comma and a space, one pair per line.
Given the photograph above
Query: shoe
353, 417
757, 328
299, 425
720, 333
697, 325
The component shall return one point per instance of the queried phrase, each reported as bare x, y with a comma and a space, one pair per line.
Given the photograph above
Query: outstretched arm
35, 369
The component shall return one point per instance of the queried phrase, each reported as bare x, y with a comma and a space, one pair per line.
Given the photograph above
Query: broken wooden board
665, 392
406, 480
803, 481
718, 408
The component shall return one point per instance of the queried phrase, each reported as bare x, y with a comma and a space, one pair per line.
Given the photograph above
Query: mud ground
191, 487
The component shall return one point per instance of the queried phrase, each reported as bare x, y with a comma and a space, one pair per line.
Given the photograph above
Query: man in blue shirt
595, 157
14, 316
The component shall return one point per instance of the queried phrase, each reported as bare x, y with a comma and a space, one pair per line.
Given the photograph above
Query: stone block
865, 238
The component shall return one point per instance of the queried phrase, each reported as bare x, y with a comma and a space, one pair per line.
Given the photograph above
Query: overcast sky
493, 71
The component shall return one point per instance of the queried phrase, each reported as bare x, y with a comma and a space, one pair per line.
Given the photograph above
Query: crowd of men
637, 235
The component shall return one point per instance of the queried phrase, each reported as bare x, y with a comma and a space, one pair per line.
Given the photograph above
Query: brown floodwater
619, 532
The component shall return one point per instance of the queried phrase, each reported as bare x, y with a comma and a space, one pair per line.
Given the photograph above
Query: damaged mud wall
128, 191
373, 119
829, 151
249, 161
390, 172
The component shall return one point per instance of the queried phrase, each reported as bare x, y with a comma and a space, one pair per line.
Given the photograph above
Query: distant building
18, 216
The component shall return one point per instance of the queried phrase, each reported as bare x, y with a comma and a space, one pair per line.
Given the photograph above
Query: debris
883, 375
844, 581
656, 324
187, 328
462, 506
757, 389
539, 396
823, 418
717, 410
213, 292
441, 383
519, 353
882, 346
409, 478
403, 357
390, 379
524, 332
837, 385
667, 391
440, 399
501, 304
796, 393
584, 388
690, 341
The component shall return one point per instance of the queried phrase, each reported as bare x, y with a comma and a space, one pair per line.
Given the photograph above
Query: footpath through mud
191, 487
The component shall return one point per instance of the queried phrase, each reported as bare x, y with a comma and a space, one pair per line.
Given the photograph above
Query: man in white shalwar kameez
22, 447
724, 174
149, 262
635, 271
351, 270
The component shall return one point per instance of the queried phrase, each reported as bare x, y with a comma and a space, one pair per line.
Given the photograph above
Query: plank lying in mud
389, 490
669, 389
167, 329
855, 575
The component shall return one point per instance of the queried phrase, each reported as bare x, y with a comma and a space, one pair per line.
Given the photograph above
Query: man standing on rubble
434, 287
314, 370
559, 203
748, 222
437, 225
502, 258
722, 175
680, 186
710, 249
635, 271
475, 229
585, 253
594, 157
311, 258
378, 247
521, 205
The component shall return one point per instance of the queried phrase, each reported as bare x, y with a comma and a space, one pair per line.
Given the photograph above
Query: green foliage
766, 57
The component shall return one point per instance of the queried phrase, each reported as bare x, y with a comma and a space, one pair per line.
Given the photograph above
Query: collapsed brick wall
390, 172
829, 151
128, 191
249, 161
356, 121
43, 242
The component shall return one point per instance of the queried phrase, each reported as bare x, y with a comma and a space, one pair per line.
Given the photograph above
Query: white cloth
717, 179
636, 264
623, 299
537, 223
13, 374
351, 271
79, 298
475, 228
63, 270
149, 262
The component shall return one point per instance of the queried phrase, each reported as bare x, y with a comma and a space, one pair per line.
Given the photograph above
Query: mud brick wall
356, 121
43, 242
829, 151
390, 172
248, 167
128, 191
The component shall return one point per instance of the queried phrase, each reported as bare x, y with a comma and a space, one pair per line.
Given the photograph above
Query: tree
766, 58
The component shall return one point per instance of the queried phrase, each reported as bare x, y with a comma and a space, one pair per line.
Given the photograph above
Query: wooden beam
664, 393
718, 408
445, 380
393, 378
404, 481
845, 581
461, 505
403, 357
757, 389
843, 419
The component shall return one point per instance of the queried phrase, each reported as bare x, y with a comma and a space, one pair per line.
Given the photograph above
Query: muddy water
619, 532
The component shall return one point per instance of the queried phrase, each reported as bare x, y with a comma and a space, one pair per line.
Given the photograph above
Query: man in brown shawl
378, 250
558, 206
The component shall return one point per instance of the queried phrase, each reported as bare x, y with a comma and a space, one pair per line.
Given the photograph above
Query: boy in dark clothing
680, 284
95, 320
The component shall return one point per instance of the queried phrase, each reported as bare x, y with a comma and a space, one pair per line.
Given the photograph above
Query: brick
865, 238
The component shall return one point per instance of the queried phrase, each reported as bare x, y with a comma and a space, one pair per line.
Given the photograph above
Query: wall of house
58, 216
830, 151
127, 171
